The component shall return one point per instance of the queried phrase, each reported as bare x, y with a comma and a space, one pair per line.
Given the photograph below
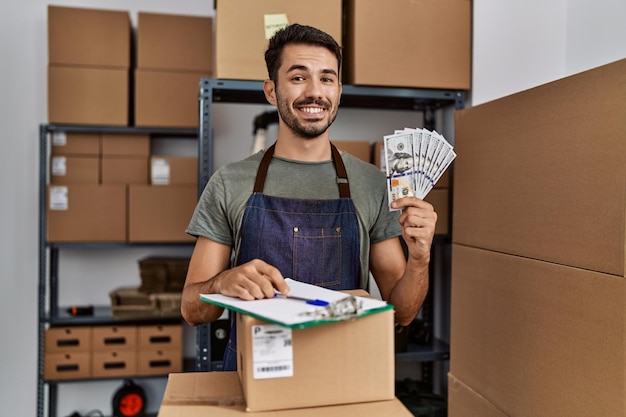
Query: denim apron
312, 241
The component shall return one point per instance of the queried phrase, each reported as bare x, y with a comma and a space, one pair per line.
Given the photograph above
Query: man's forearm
409, 293
194, 310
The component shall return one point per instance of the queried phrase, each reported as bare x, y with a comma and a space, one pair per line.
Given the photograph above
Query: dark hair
294, 34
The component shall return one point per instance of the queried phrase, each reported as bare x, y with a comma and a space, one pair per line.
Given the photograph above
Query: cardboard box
125, 145
67, 339
536, 338
359, 148
241, 38
75, 144
424, 44
60, 366
114, 363
537, 178
167, 99
341, 363
440, 199
74, 169
91, 96
88, 37
174, 42
160, 213
117, 170
165, 337
465, 402
86, 213
219, 394
159, 361
114, 338
174, 170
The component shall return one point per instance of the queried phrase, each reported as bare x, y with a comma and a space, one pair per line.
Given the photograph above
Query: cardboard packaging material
174, 42
160, 213
174, 170
120, 170
59, 366
161, 337
423, 44
359, 148
242, 27
219, 394
67, 339
536, 338
440, 199
341, 363
75, 144
88, 37
114, 338
167, 99
542, 173
159, 361
125, 145
114, 363
465, 402
74, 170
88, 95
86, 213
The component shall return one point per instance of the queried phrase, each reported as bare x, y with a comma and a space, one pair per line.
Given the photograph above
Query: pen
314, 302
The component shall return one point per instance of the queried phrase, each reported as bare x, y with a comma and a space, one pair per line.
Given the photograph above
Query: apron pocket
317, 255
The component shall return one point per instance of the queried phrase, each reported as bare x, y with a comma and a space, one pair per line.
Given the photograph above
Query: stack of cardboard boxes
538, 288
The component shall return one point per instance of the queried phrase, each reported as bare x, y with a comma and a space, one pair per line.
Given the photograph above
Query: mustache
321, 103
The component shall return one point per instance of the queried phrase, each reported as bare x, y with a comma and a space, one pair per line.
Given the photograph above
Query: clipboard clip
343, 309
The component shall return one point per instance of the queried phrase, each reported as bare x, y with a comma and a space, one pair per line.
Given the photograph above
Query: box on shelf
125, 145
60, 366
67, 339
198, 394
114, 363
160, 213
359, 148
86, 213
91, 96
174, 170
167, 99
174, 42
243, 28
121, 170
159, 361
165, 337
114, 338
129, 302
422, 44
88, 37
74, 169
163, 273
328, 360
463, 401
74, 144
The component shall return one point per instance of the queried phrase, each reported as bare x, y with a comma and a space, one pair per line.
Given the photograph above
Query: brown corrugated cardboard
114, 338
167, 99
542, 173
125, 145
536, 338
86, 213
159, 361
425, 44
88, 37
68, 339
174, 170
160, 213
167, 337
70, 143
59, 366
174, 42
114, 363
219, 394
92, 96
465, 402
342, 363
440, 199
240, 35
120, 170
74, 169
359, 148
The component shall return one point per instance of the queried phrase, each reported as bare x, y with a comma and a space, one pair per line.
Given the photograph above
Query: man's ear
269, 88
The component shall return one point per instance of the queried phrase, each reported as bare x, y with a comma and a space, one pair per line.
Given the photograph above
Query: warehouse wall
517, 45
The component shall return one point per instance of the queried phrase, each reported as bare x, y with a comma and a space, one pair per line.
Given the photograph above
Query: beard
310, 130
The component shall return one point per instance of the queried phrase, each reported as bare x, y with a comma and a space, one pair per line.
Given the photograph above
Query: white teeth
312, 110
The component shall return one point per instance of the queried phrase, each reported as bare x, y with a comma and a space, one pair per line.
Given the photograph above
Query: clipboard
296, 314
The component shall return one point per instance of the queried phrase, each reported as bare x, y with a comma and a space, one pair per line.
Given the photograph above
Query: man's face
308, 89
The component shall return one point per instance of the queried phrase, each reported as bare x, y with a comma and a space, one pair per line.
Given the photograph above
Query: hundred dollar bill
400, 165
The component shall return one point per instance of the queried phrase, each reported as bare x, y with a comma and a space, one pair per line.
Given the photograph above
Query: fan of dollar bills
416, 159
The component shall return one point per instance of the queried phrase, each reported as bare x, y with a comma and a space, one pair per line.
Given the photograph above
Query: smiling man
302, 209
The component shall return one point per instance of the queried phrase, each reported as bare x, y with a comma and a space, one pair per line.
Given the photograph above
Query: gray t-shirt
220, 209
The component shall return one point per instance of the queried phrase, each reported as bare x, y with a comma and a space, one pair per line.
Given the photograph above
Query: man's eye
298, 78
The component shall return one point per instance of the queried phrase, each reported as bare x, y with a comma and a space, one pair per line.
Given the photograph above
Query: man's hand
418, 220
253, 280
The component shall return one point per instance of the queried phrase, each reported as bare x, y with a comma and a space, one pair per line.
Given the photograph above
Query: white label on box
160, 171
59, 139
273, 23
59, 199
59, 165
272, 351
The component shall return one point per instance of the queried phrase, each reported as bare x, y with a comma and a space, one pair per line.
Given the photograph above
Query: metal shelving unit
49, 312
251, 92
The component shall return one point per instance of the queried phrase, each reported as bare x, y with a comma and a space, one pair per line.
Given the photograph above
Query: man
301, 209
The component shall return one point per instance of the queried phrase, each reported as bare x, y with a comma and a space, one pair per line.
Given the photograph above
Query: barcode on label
272, 369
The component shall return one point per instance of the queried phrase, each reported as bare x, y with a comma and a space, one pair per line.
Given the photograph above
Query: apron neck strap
342, 175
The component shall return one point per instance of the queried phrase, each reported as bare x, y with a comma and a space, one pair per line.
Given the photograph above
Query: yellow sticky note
273, 23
